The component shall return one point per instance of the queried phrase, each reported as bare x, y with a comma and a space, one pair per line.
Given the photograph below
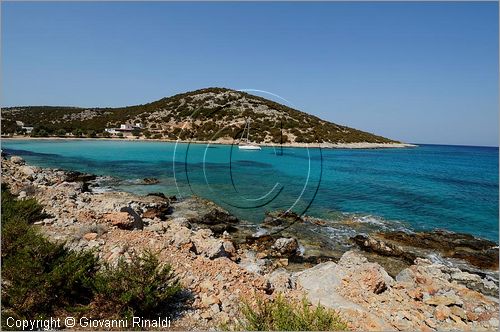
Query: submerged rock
478, 252
148, 181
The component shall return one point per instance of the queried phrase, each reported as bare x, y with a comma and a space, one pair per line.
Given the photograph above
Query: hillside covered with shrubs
205, 115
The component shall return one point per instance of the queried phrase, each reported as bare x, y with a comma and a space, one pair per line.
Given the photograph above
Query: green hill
206, 114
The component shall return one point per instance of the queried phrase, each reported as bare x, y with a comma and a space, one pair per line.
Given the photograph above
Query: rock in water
478, 252
369, 244
148, 181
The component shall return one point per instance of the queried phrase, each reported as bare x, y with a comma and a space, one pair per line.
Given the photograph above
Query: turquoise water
429, 187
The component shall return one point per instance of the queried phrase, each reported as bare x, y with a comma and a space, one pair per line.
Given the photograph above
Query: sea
428, 187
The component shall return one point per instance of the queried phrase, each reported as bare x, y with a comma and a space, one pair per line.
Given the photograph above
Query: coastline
220, 265
357, 145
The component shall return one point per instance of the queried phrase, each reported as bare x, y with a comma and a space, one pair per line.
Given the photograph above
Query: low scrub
282, 315
142, 287
38, 275
42, 279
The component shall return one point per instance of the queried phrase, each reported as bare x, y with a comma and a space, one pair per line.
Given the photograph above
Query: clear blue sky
417, 72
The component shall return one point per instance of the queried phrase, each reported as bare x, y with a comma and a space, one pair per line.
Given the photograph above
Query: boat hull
249, 147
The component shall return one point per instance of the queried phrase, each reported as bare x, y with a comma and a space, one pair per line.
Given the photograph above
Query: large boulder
286, 246
122, 220
217, 220
321, 282
75, 176
158, 210
17, 160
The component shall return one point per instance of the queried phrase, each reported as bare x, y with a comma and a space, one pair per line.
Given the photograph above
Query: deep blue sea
424, 188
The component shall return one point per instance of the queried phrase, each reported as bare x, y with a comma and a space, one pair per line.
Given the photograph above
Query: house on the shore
126, 129
24, 127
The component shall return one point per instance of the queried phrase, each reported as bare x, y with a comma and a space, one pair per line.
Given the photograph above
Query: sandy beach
357, 145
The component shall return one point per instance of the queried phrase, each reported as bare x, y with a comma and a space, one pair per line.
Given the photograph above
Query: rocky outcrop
423, 297
218, 271
217, 220
407, 246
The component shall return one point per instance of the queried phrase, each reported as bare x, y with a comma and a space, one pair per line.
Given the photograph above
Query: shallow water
432, 186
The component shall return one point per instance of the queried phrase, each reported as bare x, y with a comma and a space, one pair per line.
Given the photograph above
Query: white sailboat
245, 143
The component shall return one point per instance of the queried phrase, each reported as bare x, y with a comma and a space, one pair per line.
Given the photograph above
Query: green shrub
61, 132
142, 287
282, 315
39, 276
28, 210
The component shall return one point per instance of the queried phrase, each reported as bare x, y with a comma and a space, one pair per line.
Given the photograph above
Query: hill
206, 115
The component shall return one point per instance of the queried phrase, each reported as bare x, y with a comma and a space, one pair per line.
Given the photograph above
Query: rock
180, 221
158, 228
148, 181
217, 220
443, 300
161, 195
475, 282
380, 247
215, 308
229, 247
457, 311
137, 223
21, 195
320, 284
286, 246
442, 312
74, 176
494, 323
280, 280
160, 210
28, 171
478, 252
121, 220
17, 160
280, 219
251, 263
90, 236
216, 250
367, 276
209, 300
182, 236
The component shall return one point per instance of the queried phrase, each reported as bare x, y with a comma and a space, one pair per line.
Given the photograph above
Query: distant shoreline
357, 145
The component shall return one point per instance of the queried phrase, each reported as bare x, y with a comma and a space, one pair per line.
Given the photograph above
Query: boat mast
248, 132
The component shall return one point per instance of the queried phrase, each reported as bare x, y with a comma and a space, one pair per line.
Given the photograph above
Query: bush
77, 132
27, 210
39, 276
142, 287
61, 132
281, 315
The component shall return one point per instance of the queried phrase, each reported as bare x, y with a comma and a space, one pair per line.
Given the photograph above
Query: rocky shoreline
220, 260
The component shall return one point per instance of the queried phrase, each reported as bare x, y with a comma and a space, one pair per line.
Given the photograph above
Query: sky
415, 72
